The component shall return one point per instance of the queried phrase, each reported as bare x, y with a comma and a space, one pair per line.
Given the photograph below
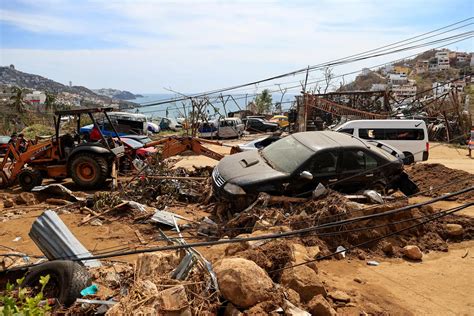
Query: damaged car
296, 164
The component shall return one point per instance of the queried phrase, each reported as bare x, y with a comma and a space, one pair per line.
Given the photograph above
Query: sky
147, 46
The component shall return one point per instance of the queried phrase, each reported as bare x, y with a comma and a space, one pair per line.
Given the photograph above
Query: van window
392, 133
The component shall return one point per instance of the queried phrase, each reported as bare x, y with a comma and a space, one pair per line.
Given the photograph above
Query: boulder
313, 251
174, 300
304, 281
454, 230
412, 252
340, 296
153, 264
293, 296
387, 248
318, 306
7, 203
25, 198
300, 255
242, 281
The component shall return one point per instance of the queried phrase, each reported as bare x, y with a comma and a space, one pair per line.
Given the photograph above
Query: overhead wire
291, 87
322, 65
273, 236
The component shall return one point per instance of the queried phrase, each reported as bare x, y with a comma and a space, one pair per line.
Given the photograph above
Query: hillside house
443, 59
421, 67
397, 79
36, 97
404, 91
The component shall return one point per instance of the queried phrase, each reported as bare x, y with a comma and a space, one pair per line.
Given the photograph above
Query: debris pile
276, 271
430, 176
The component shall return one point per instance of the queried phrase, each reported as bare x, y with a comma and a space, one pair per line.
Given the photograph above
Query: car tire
67, 279
88, 170
409, 158
29, 178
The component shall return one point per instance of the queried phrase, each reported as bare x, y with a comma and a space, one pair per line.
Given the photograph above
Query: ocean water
177, 109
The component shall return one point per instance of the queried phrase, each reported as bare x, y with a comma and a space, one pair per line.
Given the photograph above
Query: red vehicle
4, 144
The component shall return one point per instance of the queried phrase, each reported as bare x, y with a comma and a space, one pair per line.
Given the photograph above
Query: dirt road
439, 285
450, 156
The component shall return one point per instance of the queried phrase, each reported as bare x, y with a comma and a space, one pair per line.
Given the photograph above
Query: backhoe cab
88, 163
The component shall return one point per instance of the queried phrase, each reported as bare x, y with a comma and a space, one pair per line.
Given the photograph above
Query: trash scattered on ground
175, 207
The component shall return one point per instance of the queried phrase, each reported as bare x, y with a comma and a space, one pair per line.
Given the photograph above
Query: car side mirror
306, 175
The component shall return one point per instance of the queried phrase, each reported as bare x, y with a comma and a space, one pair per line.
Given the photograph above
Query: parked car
153, 128
223, 128
4, 144
281, 120
254, 124
259, 143
135, 148
409, 136
297, 163
139, 138
169, 123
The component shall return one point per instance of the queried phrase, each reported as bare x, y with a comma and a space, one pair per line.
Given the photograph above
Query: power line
360, 56
296, 86
273, 236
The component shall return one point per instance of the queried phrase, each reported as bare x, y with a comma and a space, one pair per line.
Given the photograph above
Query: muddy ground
440, 284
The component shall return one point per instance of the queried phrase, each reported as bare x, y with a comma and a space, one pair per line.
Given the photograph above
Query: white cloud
193, 46
38, 23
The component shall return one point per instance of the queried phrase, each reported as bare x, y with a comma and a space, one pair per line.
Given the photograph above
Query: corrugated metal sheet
56, 241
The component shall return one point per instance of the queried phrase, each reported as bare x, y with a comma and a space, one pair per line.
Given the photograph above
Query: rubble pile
266, 276
431, 175
163, 185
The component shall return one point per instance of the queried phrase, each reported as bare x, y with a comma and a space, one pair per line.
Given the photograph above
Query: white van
227, 127
129, 123
408, 136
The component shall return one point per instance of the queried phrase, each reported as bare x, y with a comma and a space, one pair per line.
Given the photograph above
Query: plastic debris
373, 196
342, 251
373, 263
319, 191
90, 290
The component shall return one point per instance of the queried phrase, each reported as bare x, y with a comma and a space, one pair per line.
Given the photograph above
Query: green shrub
21, 302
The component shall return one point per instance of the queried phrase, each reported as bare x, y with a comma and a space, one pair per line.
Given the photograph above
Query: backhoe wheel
29, 178
88, 170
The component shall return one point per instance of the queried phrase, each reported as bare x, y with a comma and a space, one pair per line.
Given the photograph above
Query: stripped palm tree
17, 98
50, 102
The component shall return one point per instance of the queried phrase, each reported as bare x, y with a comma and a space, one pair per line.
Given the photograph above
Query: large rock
454, 230
412, 252
300, 255
25, 198
340, 296
242, 281
7, 203
318, 306
304, 281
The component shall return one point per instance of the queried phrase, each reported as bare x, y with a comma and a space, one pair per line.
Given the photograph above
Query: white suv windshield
287, 154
